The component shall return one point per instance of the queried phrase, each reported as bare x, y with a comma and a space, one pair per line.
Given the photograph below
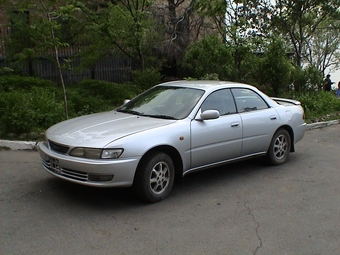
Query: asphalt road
243, 208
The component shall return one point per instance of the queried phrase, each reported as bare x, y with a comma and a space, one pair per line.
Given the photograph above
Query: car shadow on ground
115, 198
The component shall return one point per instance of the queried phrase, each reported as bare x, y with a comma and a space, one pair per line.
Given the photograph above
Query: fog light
100, 178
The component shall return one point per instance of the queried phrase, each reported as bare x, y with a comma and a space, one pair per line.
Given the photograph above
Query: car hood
98, 130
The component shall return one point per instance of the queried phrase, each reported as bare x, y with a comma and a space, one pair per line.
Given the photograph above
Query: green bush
48, 110
90, 96
316, 103
210, 76
79, 104
31, 104
146, 78
15, 82
209, 55
116, 93
25, 111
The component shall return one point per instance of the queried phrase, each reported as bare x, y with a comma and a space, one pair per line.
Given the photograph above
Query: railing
109, 68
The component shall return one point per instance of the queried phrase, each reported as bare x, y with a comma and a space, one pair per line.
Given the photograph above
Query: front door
216, 140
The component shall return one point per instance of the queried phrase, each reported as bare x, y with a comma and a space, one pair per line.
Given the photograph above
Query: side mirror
126, 101
210, 115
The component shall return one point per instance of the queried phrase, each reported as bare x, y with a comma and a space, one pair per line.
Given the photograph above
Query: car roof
205, 84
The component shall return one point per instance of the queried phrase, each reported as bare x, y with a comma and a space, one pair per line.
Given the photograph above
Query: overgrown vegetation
195, 37
318, 106
31, 104
278, 46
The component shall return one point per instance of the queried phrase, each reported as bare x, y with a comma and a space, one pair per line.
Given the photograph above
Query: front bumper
90, 172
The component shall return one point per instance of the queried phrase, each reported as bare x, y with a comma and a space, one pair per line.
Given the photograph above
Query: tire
155, 177
279, 148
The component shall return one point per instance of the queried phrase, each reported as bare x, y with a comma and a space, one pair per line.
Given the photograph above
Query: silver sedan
169, 131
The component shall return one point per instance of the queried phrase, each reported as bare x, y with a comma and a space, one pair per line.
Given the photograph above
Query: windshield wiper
131, 112
159, 116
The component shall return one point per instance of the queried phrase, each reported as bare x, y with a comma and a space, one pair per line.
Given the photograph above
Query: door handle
235, 124
272, 117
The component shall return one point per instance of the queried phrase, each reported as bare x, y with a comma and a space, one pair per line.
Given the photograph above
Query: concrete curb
31, 145
322, 124
19, 145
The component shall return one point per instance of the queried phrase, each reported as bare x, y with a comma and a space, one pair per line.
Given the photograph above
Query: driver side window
220, 100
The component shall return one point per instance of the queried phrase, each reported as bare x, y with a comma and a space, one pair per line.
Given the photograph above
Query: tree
214, 14
307, 78
37, 33
54, 42
181, 26
323, 48
310, 27
241, 26
275, 69
125, 27
207, 56
300, 19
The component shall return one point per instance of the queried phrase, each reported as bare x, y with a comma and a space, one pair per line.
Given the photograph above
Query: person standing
328, 83
338, 91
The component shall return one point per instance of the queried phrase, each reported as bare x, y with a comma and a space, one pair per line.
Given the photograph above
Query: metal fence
109, 68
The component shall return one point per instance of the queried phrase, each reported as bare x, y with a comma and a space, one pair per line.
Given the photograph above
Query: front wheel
279, 148
155, 177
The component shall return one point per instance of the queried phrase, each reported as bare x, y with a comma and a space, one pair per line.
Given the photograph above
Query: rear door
259, 121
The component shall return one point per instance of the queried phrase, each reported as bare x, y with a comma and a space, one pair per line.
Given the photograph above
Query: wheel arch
174, 155
291, 134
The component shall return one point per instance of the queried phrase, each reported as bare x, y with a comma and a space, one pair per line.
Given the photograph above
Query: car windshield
164, 102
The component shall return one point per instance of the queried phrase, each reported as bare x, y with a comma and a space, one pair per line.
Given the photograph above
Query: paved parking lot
243, 208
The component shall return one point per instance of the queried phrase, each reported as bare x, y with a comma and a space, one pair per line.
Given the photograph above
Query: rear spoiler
285, 101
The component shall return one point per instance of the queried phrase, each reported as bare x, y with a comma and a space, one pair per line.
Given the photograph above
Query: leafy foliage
274, 69
125, 27
26, 110
316, 104
146, 32
16, 82
90, 96
300, 22
235, 43
146, 78
307, 79
32, 104
106, 90
38, 35
215, 12
209, 55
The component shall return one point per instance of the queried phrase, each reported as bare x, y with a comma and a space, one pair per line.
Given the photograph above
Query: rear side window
247, 100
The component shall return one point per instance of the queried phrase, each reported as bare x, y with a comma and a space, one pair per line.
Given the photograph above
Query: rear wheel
155, 177
279, 148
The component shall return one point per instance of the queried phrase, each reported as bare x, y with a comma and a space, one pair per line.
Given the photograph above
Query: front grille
58, 147
71, 174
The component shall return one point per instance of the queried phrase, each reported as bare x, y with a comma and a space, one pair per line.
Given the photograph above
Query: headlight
112, 153
96, 153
